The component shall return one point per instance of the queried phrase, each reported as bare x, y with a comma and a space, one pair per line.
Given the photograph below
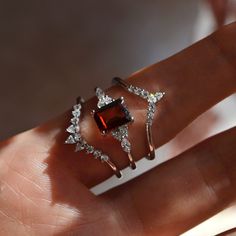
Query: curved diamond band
152, 100
76, 138
112, 116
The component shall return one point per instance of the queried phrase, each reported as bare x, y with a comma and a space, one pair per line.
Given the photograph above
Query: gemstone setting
112, 116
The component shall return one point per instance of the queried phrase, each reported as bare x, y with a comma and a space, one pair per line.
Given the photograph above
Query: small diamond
79, 147
151, 107
104, 101
99, 92
77, 107
70, 140
72, 129
150, 115
131, 88
137, 91
97, 154
74, 120
76, 113
144, 94
77, 137
125, 144
104, 158
159, 95
120, 133
89, 149
152, 98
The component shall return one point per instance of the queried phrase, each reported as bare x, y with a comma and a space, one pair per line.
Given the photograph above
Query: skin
219, 10
44, 185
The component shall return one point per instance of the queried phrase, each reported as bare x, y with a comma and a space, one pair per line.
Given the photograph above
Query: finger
182, 192
194, 80
219, 8
231, 232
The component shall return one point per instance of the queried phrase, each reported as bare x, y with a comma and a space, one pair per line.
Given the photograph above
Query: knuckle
215, 176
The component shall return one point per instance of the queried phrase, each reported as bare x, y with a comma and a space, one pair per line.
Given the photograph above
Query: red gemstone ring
112, 117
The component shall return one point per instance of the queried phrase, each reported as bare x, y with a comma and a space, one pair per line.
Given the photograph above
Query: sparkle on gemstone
112, 115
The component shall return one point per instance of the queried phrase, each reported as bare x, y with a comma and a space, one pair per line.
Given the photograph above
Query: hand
44, 185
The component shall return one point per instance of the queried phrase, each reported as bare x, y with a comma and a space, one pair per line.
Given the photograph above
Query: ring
112, 116
76, 138
152, 99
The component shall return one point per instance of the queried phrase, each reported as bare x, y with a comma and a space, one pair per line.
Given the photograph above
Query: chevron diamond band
81, 144
152, 100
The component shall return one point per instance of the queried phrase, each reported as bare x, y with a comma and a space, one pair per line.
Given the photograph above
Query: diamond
112, 115
125, 144
97, 154
79, 147
104, 158
144, 94
104, 101
77, 137
77, 107
72, 129
89, 149
137, 91
76, 113
152, 98
74, 120
131, 88
99, 92
120, 133
159, 95
70, 140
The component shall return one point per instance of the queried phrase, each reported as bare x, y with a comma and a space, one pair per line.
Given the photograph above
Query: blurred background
51, 51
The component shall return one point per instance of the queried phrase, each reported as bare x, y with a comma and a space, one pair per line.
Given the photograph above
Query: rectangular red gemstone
112, 116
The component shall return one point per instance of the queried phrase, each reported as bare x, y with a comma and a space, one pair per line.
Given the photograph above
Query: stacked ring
76, 138
152, 99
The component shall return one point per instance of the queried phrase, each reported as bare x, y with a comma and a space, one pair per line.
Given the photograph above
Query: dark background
52, 51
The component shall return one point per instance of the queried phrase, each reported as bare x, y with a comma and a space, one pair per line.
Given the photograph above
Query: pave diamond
104, 158
152, 98
76, 113
159, 95
125, 144
72, 129
70, 140
99, 92
74, 120
77, 137
79, 147
77, 107
97, 154
120, 133
104, 101
89, 149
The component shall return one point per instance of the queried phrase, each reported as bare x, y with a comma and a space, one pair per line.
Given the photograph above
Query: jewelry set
113, 118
